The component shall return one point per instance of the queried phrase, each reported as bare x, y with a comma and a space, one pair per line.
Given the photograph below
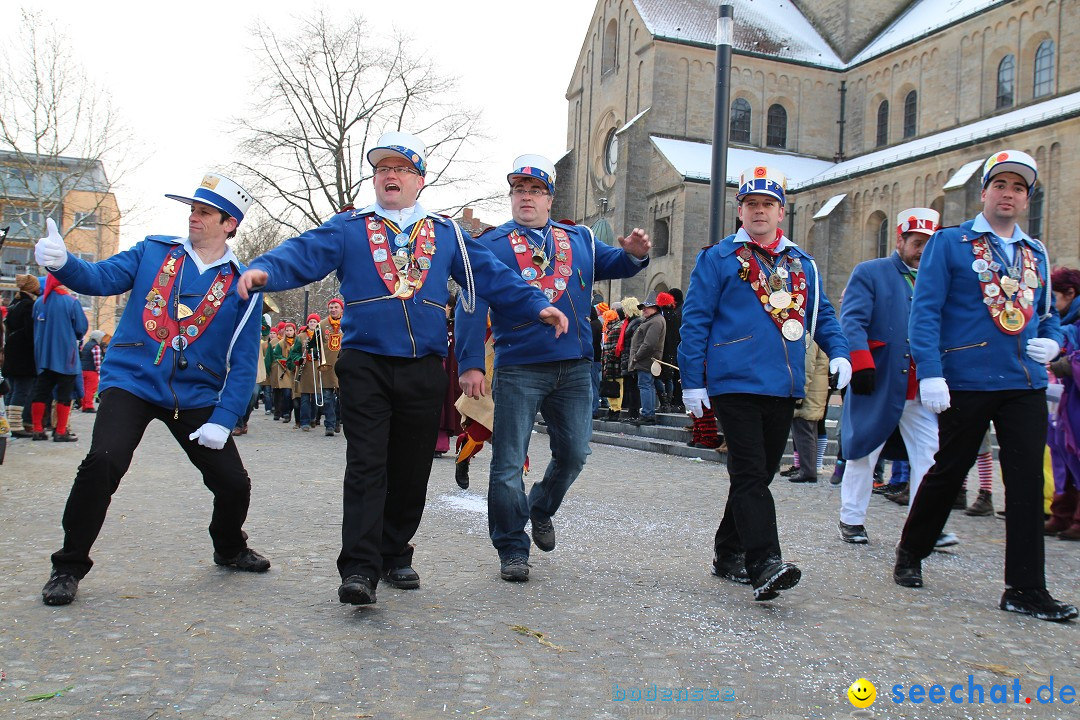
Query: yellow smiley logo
862, 693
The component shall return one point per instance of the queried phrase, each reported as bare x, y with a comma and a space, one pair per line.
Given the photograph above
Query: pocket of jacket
208, 371
127, 344
732, 342
966, 347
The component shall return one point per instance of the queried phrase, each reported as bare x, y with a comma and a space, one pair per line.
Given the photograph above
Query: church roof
777, 28
774, 28
693, 160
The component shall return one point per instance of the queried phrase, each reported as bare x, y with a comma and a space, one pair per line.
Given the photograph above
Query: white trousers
919, 428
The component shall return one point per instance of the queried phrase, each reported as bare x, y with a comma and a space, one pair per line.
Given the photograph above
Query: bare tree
332, 85
58, 133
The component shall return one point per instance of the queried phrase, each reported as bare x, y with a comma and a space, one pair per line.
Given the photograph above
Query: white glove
50, 251
1042, 350
211, 435
840, 367
695, 400
935, 394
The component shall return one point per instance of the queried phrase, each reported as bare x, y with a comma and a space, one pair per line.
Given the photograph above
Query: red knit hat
664, 299
290, 325
315, 317
335, 301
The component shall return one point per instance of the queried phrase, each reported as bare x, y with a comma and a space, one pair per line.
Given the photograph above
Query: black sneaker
515, 569
39, 436
774, 578
64, 437
731, 567
854, 534
461, 475
403, 578
790, 472
247, 560
803, 479
357, 590
645, 420
543, 534
1035, 602
908, 571
60, 590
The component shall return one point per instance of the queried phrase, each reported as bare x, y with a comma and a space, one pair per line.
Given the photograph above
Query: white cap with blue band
762, 180
220, 192
402, 144
533, 166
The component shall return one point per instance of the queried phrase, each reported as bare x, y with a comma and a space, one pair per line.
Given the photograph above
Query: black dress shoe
39, 436
776, 577
60, 590
357, 590
731, 567
64, 437
908, 571
790, 472
854, 534
403, 578
247, 560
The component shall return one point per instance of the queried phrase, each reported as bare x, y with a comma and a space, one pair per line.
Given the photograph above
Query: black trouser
121, 421
756, 430
46, 381
391, 409
1019, 417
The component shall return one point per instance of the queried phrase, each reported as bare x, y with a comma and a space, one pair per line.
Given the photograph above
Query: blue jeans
596, 385
329, 408
648, 393
562, 391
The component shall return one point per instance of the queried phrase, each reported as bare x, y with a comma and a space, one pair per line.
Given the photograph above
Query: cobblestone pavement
625, 603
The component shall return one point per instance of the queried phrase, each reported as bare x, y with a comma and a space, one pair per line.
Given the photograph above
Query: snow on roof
961, 176
829, 206
1010, 122
922, 18
768, 27
631, 121
694, 159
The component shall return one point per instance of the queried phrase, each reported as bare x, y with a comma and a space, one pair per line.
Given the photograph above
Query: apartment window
86, 219
910, 114
1006, 80
740, 121
776, 132
1044, 69
883, 123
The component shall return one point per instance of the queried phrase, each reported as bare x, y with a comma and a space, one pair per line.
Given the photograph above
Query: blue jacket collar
729, 244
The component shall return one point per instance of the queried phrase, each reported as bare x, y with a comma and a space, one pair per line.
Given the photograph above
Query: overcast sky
513, 62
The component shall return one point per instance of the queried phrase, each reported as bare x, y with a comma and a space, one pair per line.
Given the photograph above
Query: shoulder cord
468, 293
817, 302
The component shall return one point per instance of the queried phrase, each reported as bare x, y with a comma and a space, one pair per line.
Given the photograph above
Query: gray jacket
648, 342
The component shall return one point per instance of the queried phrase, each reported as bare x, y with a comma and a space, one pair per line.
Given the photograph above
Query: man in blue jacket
754, 303
884, 392
533, 370
982, 328
393, 259
59, 324
183, 353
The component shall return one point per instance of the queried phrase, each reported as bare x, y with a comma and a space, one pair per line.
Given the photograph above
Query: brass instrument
318, 354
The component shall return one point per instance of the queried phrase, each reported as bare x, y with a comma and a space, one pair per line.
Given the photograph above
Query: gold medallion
1012, 319
182, 311
1009, 285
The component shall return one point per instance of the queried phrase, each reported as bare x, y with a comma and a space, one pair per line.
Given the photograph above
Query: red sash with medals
782, 291
168, 331
1010, 299
533, 262
403, 260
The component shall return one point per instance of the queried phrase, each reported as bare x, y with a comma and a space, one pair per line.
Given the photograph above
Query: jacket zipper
522, 325
965, 347
732, 342
1020, 356
361, 302
408, 325
577, 323
434, 304
208, 370
787, 361
127, 344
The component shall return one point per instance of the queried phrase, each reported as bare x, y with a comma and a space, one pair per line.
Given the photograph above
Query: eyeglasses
382, 170
531, 192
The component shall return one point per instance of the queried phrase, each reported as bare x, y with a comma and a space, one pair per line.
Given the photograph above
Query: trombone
318, 352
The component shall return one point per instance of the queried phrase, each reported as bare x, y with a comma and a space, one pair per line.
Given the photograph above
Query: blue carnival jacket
523, 343
731, 345
59, 324
952, 333
874, 317
221, 360
376, 322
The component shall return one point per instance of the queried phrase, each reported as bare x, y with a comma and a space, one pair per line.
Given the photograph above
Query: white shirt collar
744, 237
982, 225
203, 267
402, 218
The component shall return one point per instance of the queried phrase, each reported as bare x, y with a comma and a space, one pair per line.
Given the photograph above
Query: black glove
863, 381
